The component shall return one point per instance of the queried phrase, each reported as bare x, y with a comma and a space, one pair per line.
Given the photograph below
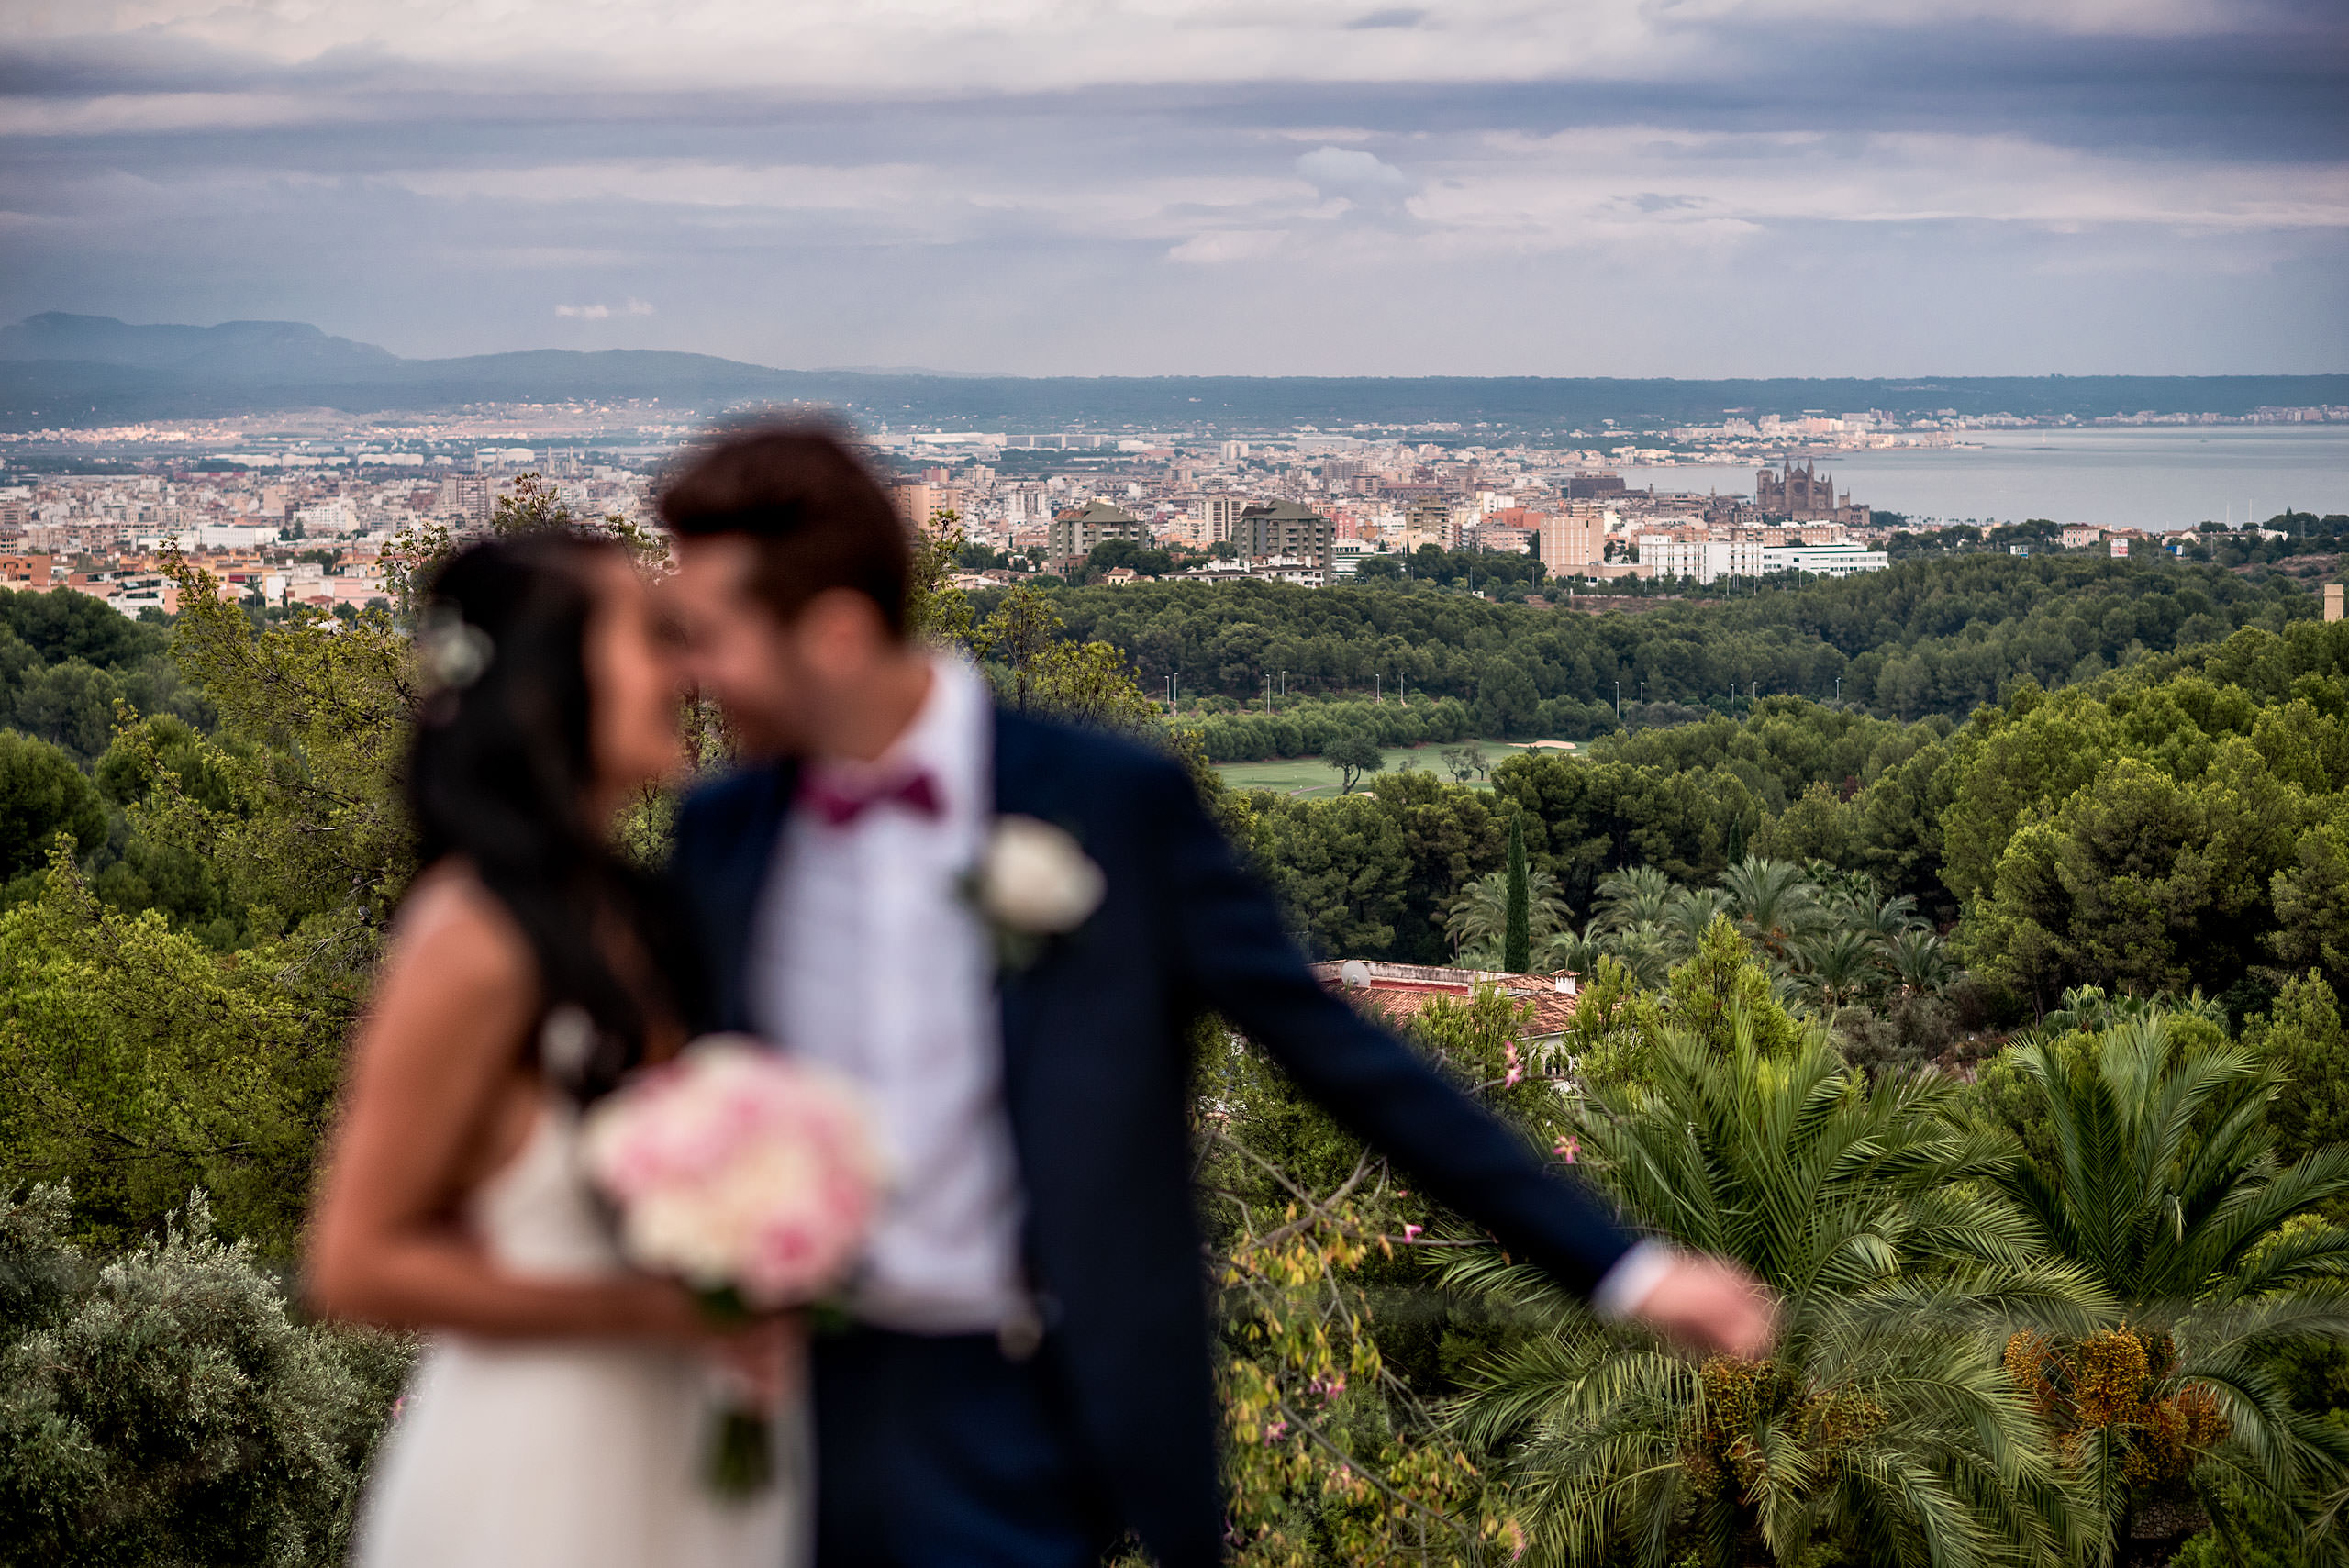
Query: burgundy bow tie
840, 805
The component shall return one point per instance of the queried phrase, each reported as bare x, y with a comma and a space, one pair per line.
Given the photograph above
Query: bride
559, 1416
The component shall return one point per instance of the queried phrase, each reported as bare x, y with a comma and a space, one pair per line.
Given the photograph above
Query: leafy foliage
2301, 1042
1353, 755
2063, 1313
1332, 1351
165, 1409
1880, 1431
1925, 637
315, 830
137, 1064
2160, 1184
44, 795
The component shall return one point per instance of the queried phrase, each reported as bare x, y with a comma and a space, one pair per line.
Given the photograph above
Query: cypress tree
1516, 936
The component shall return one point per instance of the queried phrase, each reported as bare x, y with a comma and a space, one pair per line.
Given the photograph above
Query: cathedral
1803, 495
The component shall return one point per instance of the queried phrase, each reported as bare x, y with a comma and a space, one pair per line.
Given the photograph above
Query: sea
2129, 476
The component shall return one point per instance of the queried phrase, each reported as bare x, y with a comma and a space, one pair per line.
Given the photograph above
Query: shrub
165, 1409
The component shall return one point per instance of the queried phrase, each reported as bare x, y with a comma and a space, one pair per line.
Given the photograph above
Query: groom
1027, 1375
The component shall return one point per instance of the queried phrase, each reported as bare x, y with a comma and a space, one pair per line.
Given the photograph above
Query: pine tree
1516, 936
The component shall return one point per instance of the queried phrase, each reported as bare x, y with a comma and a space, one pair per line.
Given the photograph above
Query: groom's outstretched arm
1229, 946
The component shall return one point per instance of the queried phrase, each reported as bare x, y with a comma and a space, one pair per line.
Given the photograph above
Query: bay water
2122, 476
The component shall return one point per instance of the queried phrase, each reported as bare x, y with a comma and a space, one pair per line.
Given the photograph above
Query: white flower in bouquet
1035, 879
738, 1171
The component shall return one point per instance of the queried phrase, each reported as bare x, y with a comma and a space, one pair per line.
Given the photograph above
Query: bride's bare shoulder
452, 927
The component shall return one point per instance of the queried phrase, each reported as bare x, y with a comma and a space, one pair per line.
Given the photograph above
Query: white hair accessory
454, 651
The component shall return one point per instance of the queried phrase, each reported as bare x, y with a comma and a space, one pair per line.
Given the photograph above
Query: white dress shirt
866, 957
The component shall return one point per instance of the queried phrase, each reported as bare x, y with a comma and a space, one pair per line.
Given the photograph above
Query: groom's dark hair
819, 518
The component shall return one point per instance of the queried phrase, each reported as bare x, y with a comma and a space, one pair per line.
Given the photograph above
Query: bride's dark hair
500, 772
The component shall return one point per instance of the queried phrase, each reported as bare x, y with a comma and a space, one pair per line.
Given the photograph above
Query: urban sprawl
313, 517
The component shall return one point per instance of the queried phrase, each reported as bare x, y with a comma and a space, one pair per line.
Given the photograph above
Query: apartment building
1075, 533
1574, 537
1670, 556
1823, 560
1287, 529
1218, 516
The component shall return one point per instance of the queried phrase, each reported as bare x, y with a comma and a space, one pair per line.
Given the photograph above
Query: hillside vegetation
1931, 637
2001, 1036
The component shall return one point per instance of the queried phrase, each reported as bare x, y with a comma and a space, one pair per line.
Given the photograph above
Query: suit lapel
1023, 787
739, 877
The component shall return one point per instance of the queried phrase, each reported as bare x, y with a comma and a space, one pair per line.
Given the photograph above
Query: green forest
1935, 637
1991, 1013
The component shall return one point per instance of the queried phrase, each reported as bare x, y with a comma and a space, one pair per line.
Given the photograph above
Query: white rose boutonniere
1033, 882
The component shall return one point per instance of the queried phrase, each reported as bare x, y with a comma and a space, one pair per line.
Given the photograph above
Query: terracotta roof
1398, 992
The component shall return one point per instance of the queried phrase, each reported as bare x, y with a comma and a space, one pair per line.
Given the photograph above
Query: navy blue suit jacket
1096, 1079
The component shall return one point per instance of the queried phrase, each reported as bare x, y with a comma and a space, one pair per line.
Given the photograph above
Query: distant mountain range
60, 370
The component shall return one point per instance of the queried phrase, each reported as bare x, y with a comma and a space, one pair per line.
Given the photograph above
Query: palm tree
1837, 966
2162, 1187
1634, 897
2194, 1005
1884, 920
1774, 901
1478, 915
1881, 1430
1689, 911
1647, 950
1919, 961
1838, 887
1576, 953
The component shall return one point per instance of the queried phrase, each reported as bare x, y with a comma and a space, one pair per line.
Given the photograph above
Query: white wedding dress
563, 1453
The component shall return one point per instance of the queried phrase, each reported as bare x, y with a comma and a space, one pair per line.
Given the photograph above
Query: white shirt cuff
1623, 1289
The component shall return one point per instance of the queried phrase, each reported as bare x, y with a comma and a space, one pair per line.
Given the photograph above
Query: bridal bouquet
750, 1177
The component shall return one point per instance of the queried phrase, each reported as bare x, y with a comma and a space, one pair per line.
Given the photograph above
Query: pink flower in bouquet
737, 1169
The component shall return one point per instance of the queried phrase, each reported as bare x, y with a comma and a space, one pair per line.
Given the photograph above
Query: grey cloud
1167, 227
1349, 171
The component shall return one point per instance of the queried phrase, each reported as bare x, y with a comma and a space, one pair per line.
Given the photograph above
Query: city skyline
1801, 187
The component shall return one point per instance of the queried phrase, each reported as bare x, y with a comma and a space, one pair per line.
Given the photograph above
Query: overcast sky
1560, 187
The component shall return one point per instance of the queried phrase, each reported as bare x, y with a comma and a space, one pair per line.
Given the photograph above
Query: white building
1822, 559
335, 516
1707, 560
236, 536
1218, 515
1297, 569
1294, 569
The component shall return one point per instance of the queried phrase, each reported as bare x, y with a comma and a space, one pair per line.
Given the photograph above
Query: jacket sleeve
1228, 948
